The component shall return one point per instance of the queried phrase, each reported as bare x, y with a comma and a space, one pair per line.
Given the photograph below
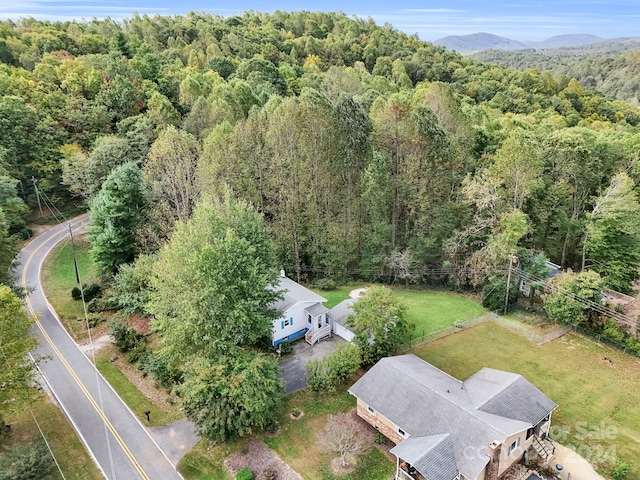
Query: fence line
456, 327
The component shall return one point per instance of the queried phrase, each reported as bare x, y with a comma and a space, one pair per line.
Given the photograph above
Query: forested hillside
611, 67
368, 152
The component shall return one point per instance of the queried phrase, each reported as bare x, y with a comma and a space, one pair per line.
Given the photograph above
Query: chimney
493, 467
282, 274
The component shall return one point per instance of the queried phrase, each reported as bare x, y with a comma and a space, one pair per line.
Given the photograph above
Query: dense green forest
368, 152
615, 73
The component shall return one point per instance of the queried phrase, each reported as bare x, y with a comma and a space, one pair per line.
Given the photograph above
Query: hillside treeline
616, 74
369, 152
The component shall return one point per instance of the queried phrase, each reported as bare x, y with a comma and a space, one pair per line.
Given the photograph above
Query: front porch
318, 324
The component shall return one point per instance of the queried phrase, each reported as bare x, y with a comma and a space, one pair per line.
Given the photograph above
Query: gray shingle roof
316, 309
432, 456
342, 311
293, 293
425, 401
509, 395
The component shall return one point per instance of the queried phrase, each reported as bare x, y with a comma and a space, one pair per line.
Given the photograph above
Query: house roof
342, 311
316, 309
293, 293
508, 395
433, 456
425, 401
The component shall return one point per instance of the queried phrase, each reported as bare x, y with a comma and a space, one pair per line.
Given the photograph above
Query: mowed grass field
59, 278
595, 386
430, 311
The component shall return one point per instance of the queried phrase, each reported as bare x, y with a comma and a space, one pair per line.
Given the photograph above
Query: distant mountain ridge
476, 42
479, 41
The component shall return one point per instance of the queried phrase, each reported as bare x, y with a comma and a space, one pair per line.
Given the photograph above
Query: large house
445, 429
303, 314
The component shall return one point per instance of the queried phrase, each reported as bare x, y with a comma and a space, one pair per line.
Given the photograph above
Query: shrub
94, 319
91, 291
244, 474
620, 471
378, 438
160, 370
611, 331
326, 373
125, 338
76, 293
493, 294
326, 284
24, 462
137, 352
285, 348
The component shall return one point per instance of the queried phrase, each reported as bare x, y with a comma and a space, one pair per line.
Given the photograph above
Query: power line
585, 302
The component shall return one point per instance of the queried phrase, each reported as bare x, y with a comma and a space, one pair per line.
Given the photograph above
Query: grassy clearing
334, 296
75, 462
134, 399
429, 310
204, 461
297, 443
595, 386
59, 277
432, 311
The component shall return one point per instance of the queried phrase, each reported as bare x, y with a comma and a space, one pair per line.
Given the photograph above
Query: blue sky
519, 20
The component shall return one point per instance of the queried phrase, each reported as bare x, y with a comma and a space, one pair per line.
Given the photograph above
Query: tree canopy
17, 372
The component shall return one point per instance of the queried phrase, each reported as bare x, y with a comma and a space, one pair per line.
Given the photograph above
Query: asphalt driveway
292, 366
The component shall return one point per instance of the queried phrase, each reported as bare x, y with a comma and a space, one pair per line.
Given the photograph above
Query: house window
287, 322
309, 318
530, 432
514, 445
402, 432
371, 410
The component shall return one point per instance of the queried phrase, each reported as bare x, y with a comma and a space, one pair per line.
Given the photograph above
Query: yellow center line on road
82, 387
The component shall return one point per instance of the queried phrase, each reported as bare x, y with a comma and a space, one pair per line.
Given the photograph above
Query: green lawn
75, 462
59, 277
429, 310
432, 311
334, 296
297, 440
595, 386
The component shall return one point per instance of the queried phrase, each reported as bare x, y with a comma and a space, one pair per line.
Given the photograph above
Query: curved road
121, 446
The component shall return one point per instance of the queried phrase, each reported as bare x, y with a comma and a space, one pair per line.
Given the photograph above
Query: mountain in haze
565, 41
479, 41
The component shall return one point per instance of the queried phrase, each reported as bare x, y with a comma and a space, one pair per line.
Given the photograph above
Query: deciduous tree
380, 324
17, 372
213, 283
232, 396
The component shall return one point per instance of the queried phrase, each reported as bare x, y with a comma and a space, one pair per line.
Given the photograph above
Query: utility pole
35, 185
512, 260
75, 260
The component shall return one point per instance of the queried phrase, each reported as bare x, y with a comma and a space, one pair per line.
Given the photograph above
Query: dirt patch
139, 324
260, 459
357, 293
90, 349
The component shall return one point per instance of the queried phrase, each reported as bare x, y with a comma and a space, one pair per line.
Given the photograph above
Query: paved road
118, 442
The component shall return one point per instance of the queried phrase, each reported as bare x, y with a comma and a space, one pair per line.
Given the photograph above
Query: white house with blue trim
302, 314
